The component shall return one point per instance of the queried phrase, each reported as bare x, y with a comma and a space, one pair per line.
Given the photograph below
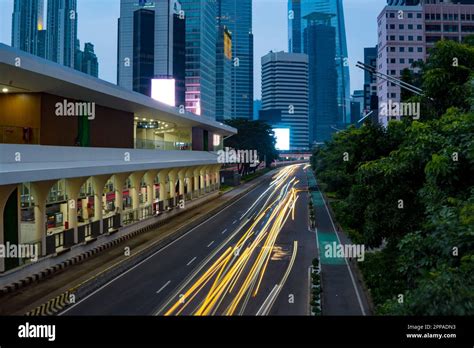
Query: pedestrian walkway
342, 291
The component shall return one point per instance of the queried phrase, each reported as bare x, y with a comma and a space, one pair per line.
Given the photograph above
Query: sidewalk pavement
343, 291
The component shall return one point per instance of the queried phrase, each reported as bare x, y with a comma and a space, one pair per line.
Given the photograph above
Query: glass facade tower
201, 46
27, 23
236, 15
298, 10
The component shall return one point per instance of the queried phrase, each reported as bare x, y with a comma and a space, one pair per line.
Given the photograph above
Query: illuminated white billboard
282, 136
163, 90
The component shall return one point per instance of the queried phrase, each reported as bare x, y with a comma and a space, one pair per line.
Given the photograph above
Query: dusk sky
98, 24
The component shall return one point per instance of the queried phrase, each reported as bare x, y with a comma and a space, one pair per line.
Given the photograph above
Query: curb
56, 305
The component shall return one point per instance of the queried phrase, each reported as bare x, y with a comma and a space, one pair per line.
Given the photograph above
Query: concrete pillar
119, 181
85, 213
98, 184
39, 191
5, 192
172, 177
181, 175
73, 187
150, 186
218, 176
208, 184
163, 179
196, 176
202, 176
135, 179
190, 182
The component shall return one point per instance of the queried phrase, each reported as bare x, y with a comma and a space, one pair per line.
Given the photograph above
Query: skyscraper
59, 42
298, 10
151, 37
27, 21
236, 15
370, 81
223, 74
320, 42
201, 46
61, 32
285, 89
86, 61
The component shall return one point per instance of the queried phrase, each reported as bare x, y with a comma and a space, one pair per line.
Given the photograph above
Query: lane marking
234, 222
156, 253
192, 260
210, 244
224, 231
164, 286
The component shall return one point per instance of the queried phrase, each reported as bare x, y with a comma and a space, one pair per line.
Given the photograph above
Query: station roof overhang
21, 72
42, 163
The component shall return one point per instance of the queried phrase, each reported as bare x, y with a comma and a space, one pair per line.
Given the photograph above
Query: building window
402, 49
402, 60
410, 49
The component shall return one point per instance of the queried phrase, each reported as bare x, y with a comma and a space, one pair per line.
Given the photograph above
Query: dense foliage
408, 191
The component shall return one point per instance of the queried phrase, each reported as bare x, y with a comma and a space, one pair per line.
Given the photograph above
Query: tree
253, 135
411, 185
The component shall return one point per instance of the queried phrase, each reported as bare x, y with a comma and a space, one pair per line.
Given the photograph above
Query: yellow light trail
226, 272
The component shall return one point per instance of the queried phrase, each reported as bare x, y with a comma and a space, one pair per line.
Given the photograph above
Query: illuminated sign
217, 140
282, 136
227, 45
163, 90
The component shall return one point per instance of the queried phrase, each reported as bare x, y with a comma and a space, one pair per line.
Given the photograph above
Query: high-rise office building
61, 31
401, 43
86, 61
408, 30
59, 42
223, 74
151, 47
236, 15
285, 90
320, 42
298, 10
201, 46
357, 106
448, 20
370, 81
27, 24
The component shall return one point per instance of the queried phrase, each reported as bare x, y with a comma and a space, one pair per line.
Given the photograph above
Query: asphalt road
250, 258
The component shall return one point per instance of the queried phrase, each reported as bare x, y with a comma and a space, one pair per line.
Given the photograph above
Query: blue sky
98, 24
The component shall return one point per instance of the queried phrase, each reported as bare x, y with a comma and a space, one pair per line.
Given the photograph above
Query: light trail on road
228, 284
